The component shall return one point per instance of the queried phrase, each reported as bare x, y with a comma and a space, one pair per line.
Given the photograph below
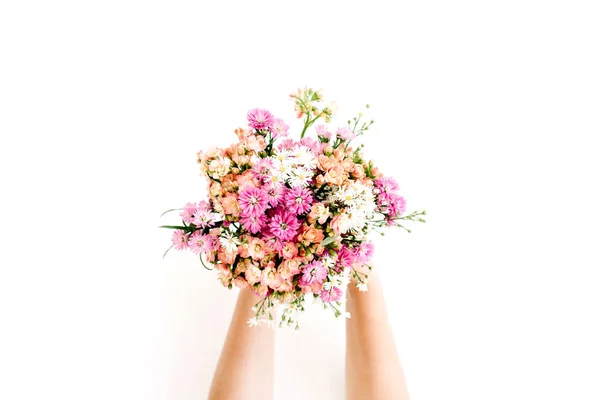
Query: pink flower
287, 144
298, 200
257, 249
275, 194
323, 132
284, 225
289, 250
311, 143
272, 242
363, 252
259, 118
262, 169
202, 218
253, 201
180, 239
254, 224
333, 294
271, 278
386, 185
199, 243
315, 272
345, 133
279, 128
189, 210
346, 257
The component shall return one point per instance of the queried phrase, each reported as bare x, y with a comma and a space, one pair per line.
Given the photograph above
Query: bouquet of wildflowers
290, 218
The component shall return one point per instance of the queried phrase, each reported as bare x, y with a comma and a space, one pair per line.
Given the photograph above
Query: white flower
254, 321
362, 287
327, 285
328, 262
300, 176
229, 241
304, 156
347, 314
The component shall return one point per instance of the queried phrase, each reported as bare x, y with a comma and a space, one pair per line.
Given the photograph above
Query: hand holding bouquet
290, 218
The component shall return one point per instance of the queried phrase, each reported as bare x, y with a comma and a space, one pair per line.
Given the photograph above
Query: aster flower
386, 185
313, 272
300, 176
298, 200
253, 201
199, 243
259, 118
345, 133
274, 193
279, 128
203, 218
363, 252
322, 132
254, 224
262, 169
229, 242
346, 257
284, 225
187, 214
180, 239
332, 294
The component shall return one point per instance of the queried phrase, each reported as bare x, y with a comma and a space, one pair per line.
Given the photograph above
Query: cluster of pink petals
315, 272
253, 201
259, 119
284, 225
388, 200
298, 200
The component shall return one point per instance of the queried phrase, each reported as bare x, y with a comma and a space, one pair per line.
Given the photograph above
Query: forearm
245, 368
373, 369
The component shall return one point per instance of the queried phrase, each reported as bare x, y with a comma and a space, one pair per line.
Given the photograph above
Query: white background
486, 113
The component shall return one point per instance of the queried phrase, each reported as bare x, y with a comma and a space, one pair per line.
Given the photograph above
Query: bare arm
245, 368
373, 369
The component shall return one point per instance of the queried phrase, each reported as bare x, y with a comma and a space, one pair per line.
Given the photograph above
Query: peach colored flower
246, 180
310, 234
256, 249
215, 189
348, 165
319, 212
289, 250
358, 172
270, 278
230, 205
241, 266
284, 270
285, 286
294, 265
255, 143
340, 223
226, 257
288, 296
335, 175
325, 162
242, 133
225, 277
240, 283
252, 274
260, 290
229, 184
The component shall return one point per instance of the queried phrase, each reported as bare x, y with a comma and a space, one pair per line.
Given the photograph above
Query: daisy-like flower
332, 294
180, 239
262, 169
259, 118
345, 133
188, 212
203, 218
300, 176
229, 241
322, 132
364, 252
274, 193
279, 128
199, 243
313, 272
254, 201
346, 257
254, 224
284, 226
298, 200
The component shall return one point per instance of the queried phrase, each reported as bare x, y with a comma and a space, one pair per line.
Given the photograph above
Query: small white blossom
229, 241
362, 287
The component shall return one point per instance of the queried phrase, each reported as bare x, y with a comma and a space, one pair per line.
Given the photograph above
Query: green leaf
328, 241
